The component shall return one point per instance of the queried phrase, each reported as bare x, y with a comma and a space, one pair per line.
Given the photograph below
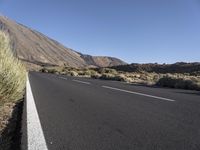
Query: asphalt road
88, 114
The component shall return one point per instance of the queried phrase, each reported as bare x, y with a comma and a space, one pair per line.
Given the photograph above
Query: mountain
102, 61
34, 48
179, 67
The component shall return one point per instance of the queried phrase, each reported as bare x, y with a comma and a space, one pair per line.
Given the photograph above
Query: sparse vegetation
12, 73
173, 80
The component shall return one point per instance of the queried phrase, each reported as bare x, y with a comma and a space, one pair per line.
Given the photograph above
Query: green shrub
12, 72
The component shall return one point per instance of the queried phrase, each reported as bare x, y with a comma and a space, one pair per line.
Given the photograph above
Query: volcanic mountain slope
35, 48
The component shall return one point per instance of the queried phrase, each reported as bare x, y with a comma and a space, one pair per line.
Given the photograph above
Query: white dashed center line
137, 93
81, 82
63, 78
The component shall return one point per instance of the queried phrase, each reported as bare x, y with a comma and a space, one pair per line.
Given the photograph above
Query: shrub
52, 70
181, 83
43, 70
87, 72
73, 73
196, 73
49, 70
96, 76
156, 78
12, 72
107, 76
91, 72
107, 70
121, 77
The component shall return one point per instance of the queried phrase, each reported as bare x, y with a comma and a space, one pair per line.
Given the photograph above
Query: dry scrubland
175, 80
12, 84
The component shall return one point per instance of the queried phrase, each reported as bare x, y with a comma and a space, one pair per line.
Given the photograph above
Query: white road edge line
36, 140
81, 82
63, 78
137, 93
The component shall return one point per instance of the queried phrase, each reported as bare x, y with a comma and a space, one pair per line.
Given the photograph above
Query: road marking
137, 93
82, 82
36, 140
63, 78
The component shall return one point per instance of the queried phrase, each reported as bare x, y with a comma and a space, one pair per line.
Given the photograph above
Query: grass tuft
12, 72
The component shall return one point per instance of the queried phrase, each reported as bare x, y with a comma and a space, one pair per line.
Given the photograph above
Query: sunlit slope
34, 47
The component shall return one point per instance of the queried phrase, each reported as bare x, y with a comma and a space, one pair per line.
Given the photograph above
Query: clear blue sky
139, 31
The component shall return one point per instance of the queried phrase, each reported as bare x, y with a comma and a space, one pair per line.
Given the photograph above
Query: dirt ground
10, 123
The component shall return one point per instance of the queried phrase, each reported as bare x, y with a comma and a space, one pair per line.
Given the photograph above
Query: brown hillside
34, 48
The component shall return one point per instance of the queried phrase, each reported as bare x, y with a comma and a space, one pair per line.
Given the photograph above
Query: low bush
52, 70
49, 70
87, 72
181, 83
108, 76
43, 70
107, 70
73, 73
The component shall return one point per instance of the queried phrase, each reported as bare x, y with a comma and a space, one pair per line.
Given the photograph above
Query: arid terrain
22, 46
36, 49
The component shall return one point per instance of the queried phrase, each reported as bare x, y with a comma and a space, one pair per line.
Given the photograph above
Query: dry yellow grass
12, 72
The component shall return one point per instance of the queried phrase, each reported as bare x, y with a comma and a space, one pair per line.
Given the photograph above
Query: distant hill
34, 48
179, 67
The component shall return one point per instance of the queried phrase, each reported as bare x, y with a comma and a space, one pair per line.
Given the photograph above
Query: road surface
88, 114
